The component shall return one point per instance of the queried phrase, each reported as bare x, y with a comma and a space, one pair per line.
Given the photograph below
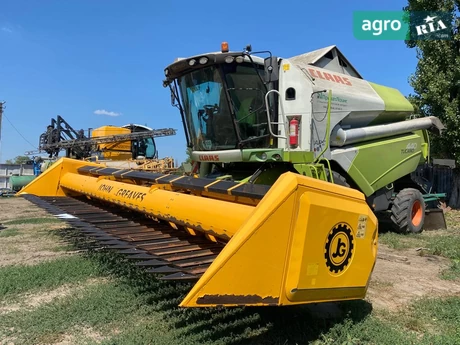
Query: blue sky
75, 57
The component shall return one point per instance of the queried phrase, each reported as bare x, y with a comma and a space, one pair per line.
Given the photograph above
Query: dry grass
31, 235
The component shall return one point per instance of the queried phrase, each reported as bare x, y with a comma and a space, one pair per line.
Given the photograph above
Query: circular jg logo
339, 248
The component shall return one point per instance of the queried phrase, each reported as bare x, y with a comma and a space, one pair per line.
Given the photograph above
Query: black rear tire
338, 179
408, 211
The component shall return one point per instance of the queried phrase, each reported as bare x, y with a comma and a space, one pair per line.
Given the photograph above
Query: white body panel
223, 156
300, 107
354, 104
354, 101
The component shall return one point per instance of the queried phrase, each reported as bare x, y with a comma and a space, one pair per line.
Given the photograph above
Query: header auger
301, 240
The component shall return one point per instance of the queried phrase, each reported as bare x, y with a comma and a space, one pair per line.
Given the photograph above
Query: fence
436, 178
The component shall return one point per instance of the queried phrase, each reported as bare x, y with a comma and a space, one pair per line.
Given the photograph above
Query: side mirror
271, 69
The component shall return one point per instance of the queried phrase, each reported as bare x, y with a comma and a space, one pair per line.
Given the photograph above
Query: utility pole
1, 118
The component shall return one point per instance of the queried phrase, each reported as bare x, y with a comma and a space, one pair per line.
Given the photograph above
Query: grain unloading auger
301, 240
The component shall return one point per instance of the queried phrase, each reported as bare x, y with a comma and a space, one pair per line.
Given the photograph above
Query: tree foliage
188, 152
436, 80
18, 160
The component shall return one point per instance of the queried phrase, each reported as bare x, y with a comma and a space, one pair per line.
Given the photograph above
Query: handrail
328, 125
268, 115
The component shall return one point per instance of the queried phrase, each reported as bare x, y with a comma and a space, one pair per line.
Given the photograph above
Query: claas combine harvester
294, 159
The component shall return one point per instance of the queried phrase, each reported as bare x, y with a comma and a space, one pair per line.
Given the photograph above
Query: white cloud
6, 29
106, 112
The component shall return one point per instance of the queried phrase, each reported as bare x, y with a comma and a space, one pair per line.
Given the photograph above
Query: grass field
51, 293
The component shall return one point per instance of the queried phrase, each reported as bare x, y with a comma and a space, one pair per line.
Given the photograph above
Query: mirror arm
271, 69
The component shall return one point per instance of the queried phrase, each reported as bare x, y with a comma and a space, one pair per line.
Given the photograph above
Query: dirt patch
77, 333
17, 207
31, 301
8, 341
33, 243
27, 250
402, 276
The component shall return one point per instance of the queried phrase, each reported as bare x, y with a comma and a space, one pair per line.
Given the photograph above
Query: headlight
239, 59
166, 72
192, 62
229, 59
204, 60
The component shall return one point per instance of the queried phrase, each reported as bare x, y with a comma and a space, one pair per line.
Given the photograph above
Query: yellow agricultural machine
130, 146
106, 143
262, 224
301, 240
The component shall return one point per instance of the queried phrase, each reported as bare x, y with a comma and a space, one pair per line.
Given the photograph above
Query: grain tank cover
330, 58
355, 102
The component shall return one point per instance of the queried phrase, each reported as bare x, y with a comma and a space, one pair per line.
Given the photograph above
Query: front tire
408, 211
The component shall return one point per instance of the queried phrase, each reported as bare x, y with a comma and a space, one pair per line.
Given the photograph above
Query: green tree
188, 152
436, 82
185, 166
18, 160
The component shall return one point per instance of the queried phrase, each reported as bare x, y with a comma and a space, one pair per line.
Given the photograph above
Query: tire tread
400, 212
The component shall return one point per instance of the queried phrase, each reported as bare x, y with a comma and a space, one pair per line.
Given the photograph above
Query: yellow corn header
299, 241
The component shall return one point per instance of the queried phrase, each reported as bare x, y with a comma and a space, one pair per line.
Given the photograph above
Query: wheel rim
417, 213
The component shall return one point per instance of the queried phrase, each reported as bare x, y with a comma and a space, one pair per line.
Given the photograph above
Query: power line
19, 132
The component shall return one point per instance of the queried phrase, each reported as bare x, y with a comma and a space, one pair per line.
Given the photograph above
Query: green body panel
396, 105
255, 155
269, 176
380, 163
298, 156
312, 170
425, 145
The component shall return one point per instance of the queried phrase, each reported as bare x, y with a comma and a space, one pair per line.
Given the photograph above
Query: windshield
247, 91
207, 112
146, 147
212, 115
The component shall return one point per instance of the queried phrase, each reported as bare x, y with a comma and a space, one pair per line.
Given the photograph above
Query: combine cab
294, 157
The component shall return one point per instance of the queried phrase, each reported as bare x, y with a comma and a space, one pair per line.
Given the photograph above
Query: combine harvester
262, 224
